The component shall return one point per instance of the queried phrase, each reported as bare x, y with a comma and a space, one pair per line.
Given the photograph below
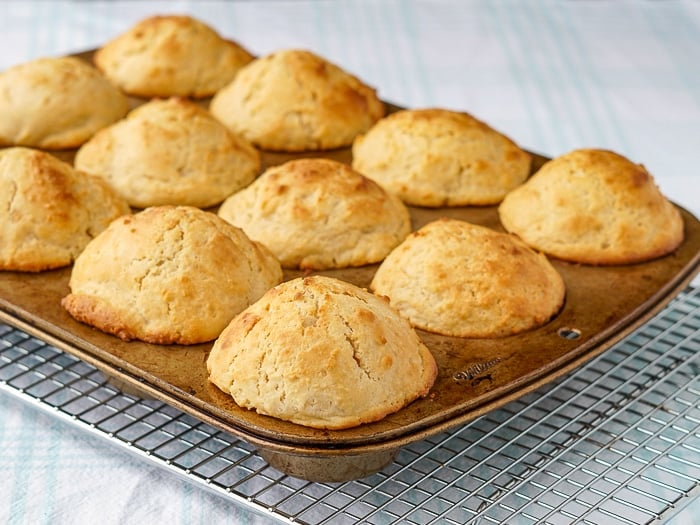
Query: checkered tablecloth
553, 75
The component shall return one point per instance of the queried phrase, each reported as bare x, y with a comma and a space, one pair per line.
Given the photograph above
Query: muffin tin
603, 304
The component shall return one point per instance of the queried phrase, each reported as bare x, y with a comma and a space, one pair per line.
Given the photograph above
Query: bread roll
322, 353
438, 157
56, 103
319, 214
294, 100
168, 274
463, 280
593, 206
50, 211
164, 56
170, 152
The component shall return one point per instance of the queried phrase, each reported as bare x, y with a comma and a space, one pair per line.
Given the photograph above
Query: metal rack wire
616, 441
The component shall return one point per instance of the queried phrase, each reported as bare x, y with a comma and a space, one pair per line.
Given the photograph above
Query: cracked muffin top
168, 275
170, 152
323, 353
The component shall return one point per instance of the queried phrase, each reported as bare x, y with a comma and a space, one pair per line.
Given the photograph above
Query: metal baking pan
603, 304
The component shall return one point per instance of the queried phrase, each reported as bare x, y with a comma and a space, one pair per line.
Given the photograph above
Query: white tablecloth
553, 75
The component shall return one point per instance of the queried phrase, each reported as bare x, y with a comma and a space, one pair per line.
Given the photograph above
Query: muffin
170, 152
164, 56
50, 211
438, 157
56, 103
458, 279
595, 207
322, 353
294, 100
168, 275
319, 214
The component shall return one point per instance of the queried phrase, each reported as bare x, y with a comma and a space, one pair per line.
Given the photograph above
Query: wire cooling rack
616, 441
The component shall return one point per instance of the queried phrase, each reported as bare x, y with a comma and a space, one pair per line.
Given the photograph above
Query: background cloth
553, 75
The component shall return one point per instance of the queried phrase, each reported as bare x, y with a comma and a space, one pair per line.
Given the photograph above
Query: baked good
322, 353
458, 279
168, 274
170, 151
171, 55
593, 206
56, 103
50, 211
319, 214
438, 157
294, 100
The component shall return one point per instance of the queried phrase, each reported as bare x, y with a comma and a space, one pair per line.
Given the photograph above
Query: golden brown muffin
170, 152
56, 103
164, 56
595, 207
319, 214
323, 353
168, 274
294, 100
438, 157
50, 211
463, 280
